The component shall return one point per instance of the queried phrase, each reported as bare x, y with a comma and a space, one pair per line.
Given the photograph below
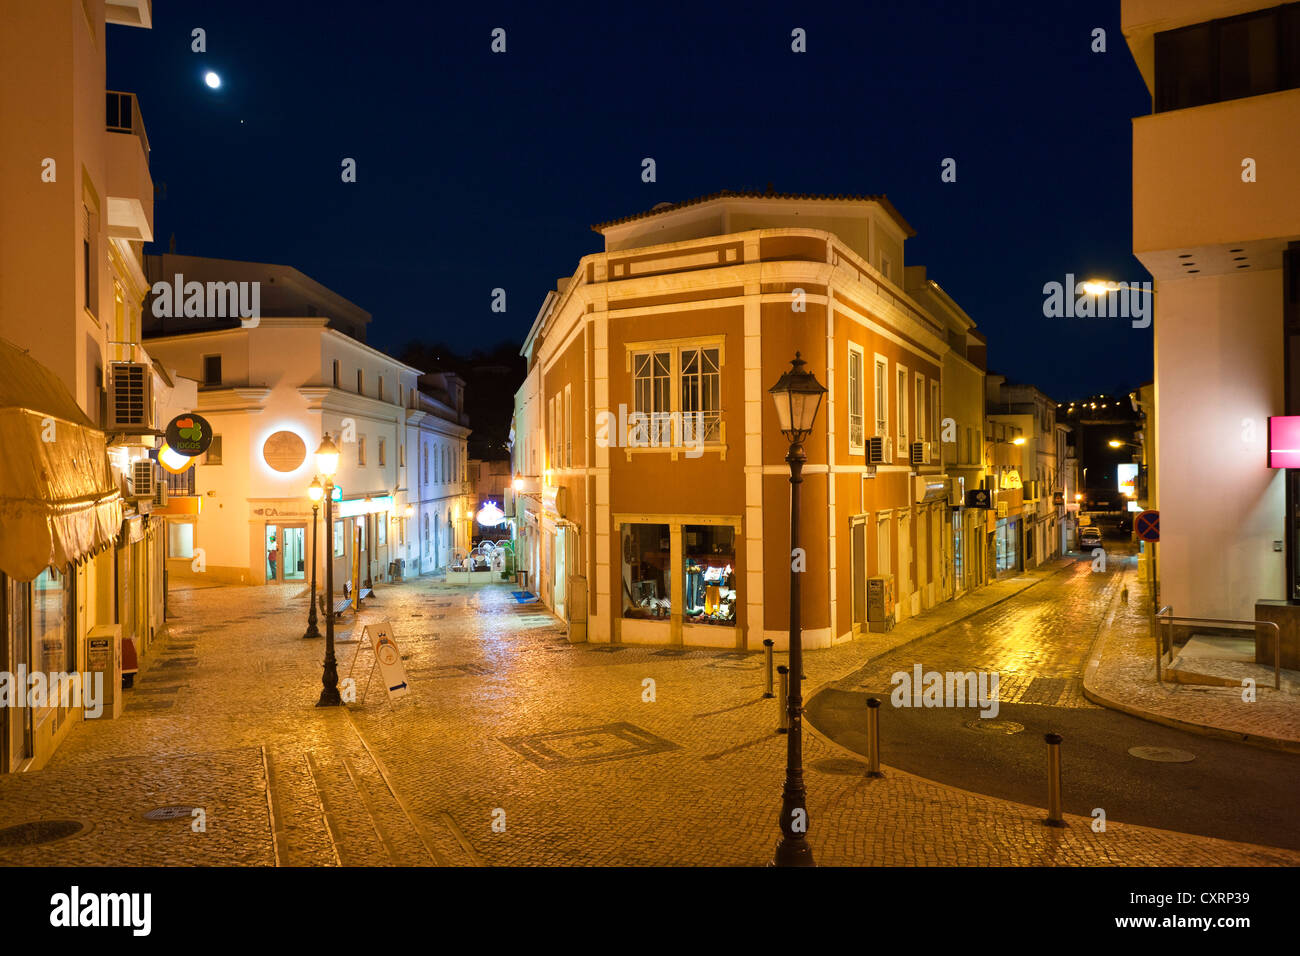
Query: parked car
1089, 538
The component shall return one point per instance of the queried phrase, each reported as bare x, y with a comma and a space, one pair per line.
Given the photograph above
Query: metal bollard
1054, 816
767, 652
784, 700
873, 737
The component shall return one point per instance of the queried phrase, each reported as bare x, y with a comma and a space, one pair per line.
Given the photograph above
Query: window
919, 407
701, 396
856, 437
361, 451
52, 648
424, 474
383, 456
211, 370
882, 396
426, 529
401, 454
651, 399
90, 261
935, 431
1228, 58
361, 382
214, 452
568, 426
647, 571
709, 577
339, 541
885, 266
902, 411
379, 390
337, 373
381, 529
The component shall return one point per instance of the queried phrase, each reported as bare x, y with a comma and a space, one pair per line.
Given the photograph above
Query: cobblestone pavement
513, 747
1123, 676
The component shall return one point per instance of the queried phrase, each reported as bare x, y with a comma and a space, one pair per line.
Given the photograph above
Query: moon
212, 80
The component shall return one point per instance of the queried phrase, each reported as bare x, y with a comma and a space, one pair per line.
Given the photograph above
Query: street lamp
797, 395
315, 492
327, 461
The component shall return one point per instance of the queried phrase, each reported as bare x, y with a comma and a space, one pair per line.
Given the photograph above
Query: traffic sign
1147, 526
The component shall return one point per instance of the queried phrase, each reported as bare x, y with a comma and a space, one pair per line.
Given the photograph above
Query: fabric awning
58, 499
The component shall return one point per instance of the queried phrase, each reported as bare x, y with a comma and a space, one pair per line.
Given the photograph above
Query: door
293, 553
561, 536
271, 553
858, 556
904, 555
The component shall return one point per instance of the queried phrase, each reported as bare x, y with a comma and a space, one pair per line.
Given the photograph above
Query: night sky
477, 170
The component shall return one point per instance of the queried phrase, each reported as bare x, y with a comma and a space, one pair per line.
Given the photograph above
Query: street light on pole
327, 461
315, 492
797, 395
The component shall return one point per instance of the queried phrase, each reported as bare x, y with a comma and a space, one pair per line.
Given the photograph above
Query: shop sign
389, 658
979, 498
1058, 497
1011, 479
189, 434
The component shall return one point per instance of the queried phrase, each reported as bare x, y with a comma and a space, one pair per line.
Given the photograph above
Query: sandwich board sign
388, 657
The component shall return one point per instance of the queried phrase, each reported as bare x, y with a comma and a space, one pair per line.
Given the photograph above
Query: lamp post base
793, 853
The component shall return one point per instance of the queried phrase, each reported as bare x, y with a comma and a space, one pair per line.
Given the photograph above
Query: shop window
647, 571
52, 650
381, 530
180, 539
709, 575
339, 541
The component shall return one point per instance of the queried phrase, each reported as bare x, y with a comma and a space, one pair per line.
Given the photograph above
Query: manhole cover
39, 831
170, 813
840, 765
994, 726
1162, 754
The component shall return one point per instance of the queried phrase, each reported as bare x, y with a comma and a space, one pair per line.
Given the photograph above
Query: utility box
103, 655
880, 603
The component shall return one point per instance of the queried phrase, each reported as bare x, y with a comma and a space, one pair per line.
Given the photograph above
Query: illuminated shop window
647, 571
709, 575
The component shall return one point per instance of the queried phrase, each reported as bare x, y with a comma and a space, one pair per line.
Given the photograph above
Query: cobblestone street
507, 722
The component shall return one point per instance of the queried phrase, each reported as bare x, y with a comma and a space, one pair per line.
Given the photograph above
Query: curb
1091, 694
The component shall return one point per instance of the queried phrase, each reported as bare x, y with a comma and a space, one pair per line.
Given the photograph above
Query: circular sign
284, 451
1147, 525
189, 435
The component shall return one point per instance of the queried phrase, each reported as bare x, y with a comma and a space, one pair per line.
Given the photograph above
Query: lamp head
316, 491
798, 396
327, 456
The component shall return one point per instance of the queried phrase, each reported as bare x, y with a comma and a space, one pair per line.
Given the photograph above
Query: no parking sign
1147, 525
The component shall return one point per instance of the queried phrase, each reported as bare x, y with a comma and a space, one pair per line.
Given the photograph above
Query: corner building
676, 531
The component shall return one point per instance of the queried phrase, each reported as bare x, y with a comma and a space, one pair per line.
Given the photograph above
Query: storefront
1006, 546
59, 506
679, 581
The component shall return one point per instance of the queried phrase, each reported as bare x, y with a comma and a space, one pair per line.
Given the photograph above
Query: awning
58, 500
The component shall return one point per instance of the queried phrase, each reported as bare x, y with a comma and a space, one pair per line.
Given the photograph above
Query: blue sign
336, 494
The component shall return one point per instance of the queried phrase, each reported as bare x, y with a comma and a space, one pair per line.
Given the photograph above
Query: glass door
272, 559
293, 552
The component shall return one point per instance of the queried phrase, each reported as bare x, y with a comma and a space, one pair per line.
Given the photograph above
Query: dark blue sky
478, 170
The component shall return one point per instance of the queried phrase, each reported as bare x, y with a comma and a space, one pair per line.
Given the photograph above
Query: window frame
856, 392
902, 385
880, 394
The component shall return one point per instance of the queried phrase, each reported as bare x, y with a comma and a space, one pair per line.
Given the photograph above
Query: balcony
130, 187
1188, 193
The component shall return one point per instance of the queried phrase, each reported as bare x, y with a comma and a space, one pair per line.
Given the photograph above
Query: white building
270, 390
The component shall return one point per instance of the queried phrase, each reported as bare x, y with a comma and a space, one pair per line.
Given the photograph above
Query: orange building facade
653, 501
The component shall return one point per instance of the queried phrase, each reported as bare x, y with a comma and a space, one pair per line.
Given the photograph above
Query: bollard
784, 700
1054, 816
767, 651
873, 737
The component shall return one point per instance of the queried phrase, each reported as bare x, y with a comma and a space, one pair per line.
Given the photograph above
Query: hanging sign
189, 435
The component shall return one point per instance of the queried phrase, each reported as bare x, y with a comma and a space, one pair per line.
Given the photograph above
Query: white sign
389, 658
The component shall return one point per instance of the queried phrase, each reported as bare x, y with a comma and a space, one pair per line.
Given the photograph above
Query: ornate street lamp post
315, 492
327, 461
797, 395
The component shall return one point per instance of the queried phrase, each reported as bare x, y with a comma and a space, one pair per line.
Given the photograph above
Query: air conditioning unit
1031, 490
130, 396
920, 453
880, 450
144, 478
1002, 509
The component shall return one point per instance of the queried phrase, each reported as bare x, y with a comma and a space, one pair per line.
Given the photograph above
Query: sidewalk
1121, 675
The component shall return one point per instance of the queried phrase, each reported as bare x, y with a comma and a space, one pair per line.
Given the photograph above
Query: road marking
273, 811
380, 830
325, 812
